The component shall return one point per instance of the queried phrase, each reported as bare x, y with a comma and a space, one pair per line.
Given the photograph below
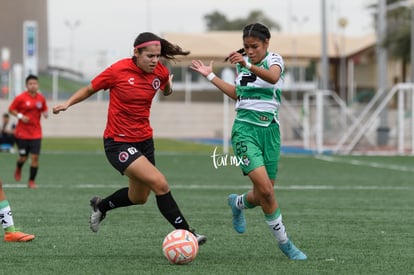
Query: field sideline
350, 215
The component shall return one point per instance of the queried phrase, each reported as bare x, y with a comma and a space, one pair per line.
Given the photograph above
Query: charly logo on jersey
178, 220
131, 80
123, 156
156, 83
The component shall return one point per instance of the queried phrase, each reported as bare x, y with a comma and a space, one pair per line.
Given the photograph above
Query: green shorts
257, 146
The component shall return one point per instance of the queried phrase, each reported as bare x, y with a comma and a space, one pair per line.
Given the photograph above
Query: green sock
10, 229
273, 216
246, 204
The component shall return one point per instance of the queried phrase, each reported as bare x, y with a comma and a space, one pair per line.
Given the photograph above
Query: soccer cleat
18, 174
201, 239
17, 236
291, 251
32, 184
96, 216
239, 221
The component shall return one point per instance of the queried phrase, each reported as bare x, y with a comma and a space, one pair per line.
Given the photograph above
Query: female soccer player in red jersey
29, 107
133, 83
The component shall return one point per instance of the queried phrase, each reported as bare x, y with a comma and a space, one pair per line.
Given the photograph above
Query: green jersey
258, 101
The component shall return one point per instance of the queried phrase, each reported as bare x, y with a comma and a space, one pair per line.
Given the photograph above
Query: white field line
215, 186
221, 187
368, 164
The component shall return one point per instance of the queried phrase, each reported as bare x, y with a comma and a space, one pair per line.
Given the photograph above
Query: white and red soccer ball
180, 246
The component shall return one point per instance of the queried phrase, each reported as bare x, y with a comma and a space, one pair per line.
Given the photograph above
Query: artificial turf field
349, 214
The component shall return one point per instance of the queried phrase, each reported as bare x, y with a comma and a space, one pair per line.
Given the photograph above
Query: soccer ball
180, 246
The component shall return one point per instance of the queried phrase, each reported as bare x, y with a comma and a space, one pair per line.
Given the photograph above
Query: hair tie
142, 45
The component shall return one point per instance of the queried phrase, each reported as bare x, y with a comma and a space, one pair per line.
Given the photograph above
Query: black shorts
122, 154
27, 146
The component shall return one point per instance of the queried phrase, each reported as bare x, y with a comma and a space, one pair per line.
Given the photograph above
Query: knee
34, 161
160, 185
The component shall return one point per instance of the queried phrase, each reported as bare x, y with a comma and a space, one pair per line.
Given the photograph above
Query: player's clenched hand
59, 108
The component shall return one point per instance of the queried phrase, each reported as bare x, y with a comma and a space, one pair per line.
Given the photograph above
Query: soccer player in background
28, 107
128, 138
7, 138
255, 134
6, 220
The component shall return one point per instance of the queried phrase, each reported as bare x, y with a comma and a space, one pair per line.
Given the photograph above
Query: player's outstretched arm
80, 95
207, 71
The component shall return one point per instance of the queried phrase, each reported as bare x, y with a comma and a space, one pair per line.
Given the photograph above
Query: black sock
118, 199
33, 172
169, 209
19, 164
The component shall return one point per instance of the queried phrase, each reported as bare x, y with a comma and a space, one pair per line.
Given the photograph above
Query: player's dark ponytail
168, 50
241, 51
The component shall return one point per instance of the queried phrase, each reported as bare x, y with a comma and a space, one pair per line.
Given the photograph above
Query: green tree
398, 39
217, 21
398, 34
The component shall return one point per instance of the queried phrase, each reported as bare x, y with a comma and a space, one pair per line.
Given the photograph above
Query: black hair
256, 30
168, 50
31, 76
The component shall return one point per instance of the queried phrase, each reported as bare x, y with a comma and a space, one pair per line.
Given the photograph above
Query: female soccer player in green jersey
256, 133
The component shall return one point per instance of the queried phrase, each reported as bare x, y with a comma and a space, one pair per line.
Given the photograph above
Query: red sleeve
104, 80
14, 106
45, 108
164, 76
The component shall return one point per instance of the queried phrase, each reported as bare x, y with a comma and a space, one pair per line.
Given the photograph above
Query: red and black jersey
31, 106
131, 91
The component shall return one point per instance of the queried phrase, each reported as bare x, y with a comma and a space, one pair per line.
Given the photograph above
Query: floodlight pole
411, 3
148, 15
382, 57
342, 22
72, 26
325, 67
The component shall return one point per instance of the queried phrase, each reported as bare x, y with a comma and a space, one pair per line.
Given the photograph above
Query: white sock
278, 229
6, 217
239, 202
